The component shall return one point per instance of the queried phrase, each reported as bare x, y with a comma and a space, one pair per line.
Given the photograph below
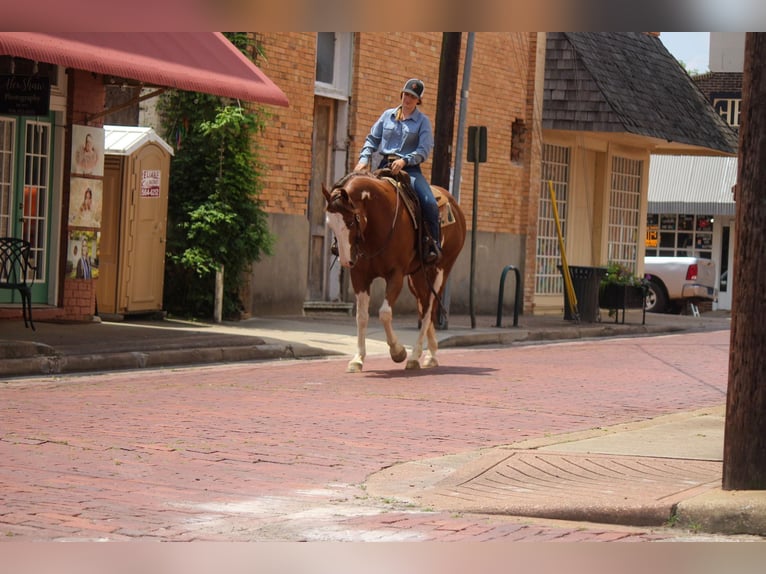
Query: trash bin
586, 282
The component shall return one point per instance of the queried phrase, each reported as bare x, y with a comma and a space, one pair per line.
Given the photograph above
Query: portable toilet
131, 252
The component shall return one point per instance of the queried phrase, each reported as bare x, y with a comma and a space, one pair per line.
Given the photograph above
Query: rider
404, 137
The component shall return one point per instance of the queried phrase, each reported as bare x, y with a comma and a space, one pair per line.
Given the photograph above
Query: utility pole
446, 99
744, 450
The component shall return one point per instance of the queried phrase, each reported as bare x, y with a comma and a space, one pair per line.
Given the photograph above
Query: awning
195, 61
697, 185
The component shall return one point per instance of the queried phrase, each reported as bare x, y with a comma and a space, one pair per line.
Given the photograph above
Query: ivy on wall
215, 216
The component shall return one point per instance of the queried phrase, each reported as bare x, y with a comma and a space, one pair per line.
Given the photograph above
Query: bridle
358, 236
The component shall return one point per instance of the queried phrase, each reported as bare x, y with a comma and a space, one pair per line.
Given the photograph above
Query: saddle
403, 186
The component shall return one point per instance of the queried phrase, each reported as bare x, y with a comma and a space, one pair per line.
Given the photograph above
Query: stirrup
432, 254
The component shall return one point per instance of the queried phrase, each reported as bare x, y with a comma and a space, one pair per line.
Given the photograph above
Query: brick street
279, 451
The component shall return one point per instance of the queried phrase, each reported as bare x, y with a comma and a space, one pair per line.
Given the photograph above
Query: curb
57, 364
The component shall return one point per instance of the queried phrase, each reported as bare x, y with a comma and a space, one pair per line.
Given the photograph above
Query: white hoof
430, 363
412, 364
354, 367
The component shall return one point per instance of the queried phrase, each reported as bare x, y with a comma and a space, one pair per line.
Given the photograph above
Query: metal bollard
517, 298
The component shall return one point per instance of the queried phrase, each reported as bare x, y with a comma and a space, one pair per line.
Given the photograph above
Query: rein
397, 191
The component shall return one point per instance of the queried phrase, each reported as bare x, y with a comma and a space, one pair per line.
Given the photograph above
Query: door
725, 259
109, 242
144, 218
323, 137
25, 175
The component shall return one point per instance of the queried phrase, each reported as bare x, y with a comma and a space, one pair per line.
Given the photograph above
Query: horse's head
347, 218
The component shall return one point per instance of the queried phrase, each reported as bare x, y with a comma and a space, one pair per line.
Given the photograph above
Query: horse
377, 236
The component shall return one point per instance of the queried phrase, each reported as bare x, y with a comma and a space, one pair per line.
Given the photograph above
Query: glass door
25, 175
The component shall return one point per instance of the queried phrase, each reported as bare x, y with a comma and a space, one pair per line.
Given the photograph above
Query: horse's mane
342, 181
385, 173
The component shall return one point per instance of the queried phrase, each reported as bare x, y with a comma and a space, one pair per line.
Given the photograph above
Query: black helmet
414, 87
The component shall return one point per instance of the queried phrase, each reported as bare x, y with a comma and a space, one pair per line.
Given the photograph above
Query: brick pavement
281, 450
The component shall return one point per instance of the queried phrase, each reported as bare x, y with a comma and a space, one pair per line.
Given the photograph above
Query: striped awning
692, 184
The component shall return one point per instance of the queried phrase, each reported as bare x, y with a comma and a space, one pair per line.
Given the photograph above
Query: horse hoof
412, 364
398, 354
430, 363
354, 367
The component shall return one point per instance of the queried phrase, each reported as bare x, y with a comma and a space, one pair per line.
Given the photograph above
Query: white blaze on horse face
341, 231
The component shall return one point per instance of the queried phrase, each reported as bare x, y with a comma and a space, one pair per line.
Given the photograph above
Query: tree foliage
214, 213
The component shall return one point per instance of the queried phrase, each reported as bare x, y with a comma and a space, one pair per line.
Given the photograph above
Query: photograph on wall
87, 150
82, 254
85, 202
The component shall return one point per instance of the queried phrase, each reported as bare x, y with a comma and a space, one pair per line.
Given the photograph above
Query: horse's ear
326, 193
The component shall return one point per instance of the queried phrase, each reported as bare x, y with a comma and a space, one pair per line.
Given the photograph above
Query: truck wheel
656, 301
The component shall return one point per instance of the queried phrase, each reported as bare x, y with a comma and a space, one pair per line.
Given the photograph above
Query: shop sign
25, 95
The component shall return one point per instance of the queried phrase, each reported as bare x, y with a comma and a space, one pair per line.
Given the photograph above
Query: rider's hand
397, 166
362, 166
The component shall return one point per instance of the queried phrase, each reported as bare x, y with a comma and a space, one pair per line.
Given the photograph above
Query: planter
620, 297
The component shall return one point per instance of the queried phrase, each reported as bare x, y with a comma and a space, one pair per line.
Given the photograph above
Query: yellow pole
567, 279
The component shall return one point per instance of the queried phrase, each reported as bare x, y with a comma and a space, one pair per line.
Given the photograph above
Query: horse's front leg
356, 364
386, 315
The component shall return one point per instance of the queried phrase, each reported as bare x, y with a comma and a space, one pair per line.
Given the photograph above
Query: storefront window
679, 235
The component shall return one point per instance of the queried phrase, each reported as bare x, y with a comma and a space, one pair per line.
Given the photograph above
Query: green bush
214, 213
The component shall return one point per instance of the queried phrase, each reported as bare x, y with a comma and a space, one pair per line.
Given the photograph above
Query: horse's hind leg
433, 345
426, 302
356, 364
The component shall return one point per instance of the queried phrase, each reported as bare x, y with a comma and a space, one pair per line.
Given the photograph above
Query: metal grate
555, 168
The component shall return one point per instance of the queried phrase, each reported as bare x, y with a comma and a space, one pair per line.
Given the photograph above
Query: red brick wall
87, 97
79, 299
290, 61
503, 77
499, 94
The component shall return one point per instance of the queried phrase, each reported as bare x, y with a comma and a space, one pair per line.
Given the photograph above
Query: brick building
317, 140
66, 76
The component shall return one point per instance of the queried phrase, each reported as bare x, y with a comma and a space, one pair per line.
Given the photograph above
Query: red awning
195, 61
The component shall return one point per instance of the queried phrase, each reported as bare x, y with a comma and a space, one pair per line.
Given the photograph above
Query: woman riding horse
376, 237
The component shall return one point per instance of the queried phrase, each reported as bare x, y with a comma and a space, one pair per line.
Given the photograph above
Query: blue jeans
428, 207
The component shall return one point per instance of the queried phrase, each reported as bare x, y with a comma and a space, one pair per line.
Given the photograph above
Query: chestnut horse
377, 237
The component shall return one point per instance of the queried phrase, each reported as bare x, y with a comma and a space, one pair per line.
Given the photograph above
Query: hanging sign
25, 95
150, 183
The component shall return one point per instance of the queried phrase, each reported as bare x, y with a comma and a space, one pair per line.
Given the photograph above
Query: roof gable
627, 82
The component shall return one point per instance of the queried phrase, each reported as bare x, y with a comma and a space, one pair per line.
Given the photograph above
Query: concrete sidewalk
644, 474
61, 347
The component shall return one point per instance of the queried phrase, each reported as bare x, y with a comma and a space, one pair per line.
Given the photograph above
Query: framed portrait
85, 201
87, 150
83, 254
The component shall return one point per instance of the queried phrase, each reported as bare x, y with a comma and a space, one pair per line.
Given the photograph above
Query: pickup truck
675, 281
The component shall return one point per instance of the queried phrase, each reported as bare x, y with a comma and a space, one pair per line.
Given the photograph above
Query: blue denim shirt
411, 139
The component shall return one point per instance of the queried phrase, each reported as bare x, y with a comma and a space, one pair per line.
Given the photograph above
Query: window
555, 168
518, 133
680, 235
624, 211
333, 65
7, 139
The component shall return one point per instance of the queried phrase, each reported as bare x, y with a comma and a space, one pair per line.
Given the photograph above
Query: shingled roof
629, 82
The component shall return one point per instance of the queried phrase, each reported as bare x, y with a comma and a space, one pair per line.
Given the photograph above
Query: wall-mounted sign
150, 183
25, 95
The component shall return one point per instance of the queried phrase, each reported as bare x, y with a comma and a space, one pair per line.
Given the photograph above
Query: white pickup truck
675, 281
